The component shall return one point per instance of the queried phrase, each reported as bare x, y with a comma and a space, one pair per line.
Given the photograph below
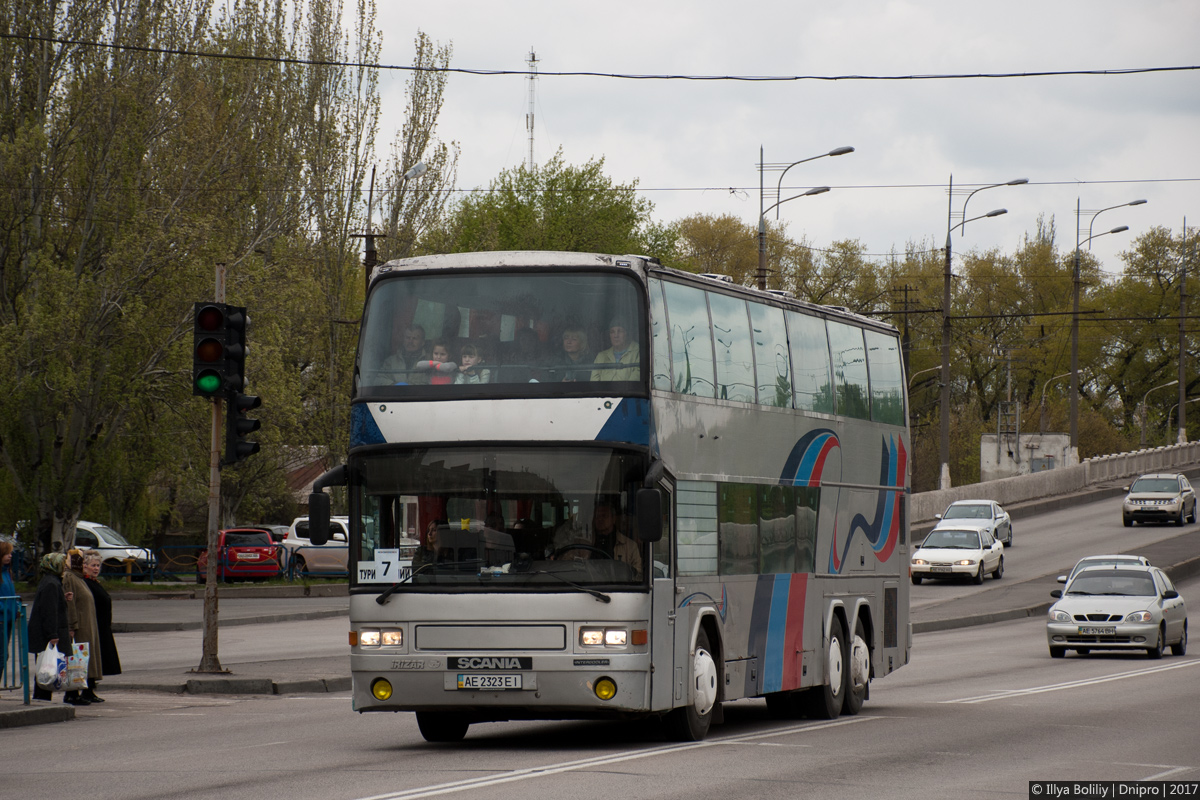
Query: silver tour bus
637, 492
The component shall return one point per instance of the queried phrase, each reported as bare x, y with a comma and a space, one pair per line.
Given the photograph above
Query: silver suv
1160, 497
319, 561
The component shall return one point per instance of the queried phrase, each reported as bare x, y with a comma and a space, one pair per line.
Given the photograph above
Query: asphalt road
979, 711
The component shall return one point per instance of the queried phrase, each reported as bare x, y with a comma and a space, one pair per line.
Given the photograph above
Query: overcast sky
1103, 139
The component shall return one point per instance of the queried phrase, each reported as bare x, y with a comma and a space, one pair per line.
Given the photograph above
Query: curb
142, 627
256, 686
39, 714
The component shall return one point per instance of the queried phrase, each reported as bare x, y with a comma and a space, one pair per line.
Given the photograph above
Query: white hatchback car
318, 561
957, 552
984, 514
119, 556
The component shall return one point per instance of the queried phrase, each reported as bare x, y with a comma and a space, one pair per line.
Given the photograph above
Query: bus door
663, 622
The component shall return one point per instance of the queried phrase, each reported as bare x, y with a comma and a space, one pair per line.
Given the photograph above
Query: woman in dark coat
109, 660
48, 617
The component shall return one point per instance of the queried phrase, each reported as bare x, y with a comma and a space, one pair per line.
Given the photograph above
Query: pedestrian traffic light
209, 339
237, 425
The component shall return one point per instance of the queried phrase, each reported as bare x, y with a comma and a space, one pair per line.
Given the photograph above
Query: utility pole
532, 61
1182, 437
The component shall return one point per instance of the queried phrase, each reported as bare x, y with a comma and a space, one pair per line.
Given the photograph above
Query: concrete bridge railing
1087, 474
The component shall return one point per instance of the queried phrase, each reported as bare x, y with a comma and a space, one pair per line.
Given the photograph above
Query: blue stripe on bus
628, 422
760, 616
776, 631
363, 428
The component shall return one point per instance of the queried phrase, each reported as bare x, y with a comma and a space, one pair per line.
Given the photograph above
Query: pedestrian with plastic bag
48, 625
85, 636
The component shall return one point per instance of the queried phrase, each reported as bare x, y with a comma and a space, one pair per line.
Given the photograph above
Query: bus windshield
483, 333
515, 519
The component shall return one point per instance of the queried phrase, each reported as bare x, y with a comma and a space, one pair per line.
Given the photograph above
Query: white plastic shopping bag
77, 668
52, 669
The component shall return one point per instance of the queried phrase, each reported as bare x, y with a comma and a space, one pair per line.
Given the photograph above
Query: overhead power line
590, 74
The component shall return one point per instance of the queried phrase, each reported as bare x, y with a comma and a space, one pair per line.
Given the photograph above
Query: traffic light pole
208, 656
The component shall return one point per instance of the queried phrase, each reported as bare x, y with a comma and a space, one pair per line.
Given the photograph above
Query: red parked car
245, 554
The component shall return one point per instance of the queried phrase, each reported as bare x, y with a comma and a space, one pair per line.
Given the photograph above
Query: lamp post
1042, 404
1146, 395
762, 213
370, 258
1074, 445
944, 479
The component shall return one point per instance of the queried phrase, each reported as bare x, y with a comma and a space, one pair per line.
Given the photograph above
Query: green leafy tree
555, 207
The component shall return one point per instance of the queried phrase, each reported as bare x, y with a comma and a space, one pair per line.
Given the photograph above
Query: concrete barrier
1067, 480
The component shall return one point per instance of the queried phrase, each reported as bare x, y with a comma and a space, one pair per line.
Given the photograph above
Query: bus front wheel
691, 722
442, 727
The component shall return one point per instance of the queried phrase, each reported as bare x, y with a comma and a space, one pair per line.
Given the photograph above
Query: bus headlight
393, 637
603, 637
381, 689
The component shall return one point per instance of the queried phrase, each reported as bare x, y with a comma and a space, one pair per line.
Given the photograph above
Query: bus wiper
391, 590
593, 592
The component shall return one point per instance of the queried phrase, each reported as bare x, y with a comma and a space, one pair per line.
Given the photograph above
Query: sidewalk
1178, 556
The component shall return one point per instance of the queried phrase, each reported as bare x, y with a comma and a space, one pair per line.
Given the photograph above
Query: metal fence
14, 654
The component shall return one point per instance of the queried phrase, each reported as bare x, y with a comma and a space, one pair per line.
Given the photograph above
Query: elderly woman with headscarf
81, 614
48, 624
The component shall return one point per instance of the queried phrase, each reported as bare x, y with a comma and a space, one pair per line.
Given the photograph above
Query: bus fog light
368, 638
606, 689
591, 637
615, 638
381, 689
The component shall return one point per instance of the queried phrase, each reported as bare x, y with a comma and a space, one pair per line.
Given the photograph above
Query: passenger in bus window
569, 363
470, 356
429, 552
439, 366
624, 350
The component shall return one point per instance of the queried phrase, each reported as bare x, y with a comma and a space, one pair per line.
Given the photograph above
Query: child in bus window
470, 356
439, 364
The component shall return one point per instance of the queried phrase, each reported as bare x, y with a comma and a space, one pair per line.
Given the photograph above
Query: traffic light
237, 425
236, 323
209, 354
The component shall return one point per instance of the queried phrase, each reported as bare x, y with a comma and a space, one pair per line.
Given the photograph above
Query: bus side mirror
318, 504
649, 515
318, 518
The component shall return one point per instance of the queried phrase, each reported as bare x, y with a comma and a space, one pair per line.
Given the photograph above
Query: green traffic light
208, 382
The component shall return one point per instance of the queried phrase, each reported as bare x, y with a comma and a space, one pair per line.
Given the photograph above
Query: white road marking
615, 758
1056, 687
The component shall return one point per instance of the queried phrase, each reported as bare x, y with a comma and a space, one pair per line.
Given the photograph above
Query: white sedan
984, 514
951, 552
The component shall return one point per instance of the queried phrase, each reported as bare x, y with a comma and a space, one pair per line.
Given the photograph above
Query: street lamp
944, 479
1042, 404
1146, 395
370, 258
762, 213
1073, 458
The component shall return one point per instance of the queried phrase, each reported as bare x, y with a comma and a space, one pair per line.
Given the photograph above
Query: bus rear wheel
442, 727
858, 678
825, 702
691, 722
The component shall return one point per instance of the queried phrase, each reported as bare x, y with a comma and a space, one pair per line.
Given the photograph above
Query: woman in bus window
470, 356
573, 356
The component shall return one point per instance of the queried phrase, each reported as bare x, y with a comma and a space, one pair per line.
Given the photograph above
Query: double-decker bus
639, 492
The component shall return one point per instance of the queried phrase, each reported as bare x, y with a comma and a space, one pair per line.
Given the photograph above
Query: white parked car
319, 561
957, 552
984, 514
117, 553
